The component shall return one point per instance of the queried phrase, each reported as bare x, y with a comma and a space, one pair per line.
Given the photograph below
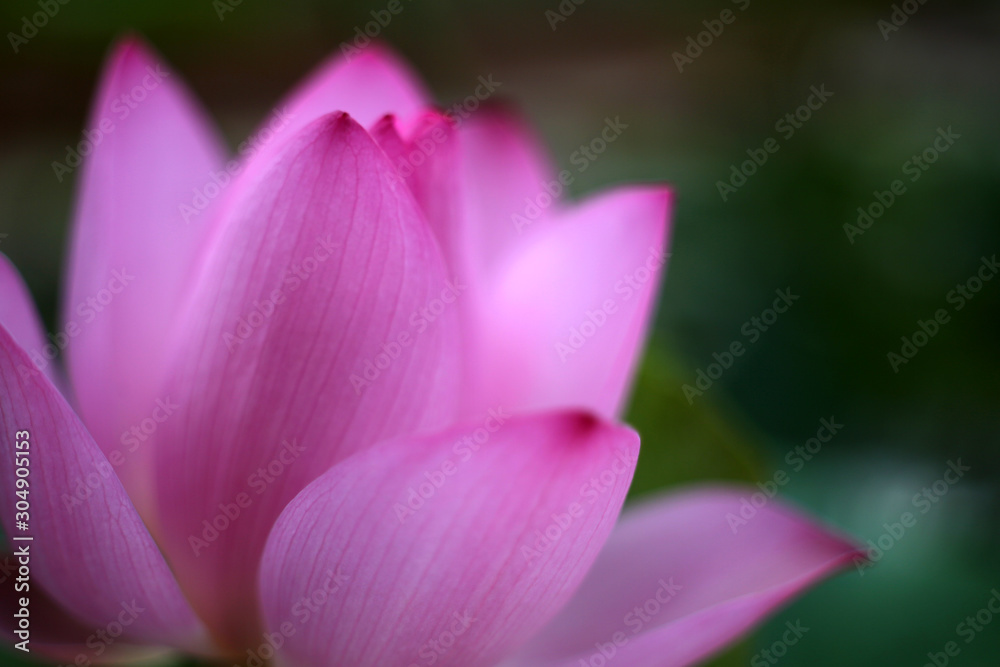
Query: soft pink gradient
349, 379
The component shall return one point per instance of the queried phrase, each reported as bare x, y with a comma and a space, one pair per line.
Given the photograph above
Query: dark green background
825, 357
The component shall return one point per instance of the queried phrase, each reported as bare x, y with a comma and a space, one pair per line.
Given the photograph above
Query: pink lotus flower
349, 399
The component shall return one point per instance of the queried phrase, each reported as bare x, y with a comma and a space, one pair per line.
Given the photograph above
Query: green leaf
685, 442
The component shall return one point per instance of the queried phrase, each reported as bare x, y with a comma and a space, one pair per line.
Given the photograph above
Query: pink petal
565, 319
505, 172
90, 550
536, 273
367, 85
132, 249
686, 574
428, 161
403, 541
19, 317
323, 268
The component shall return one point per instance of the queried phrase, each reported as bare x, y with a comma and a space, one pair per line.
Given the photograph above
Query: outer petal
19, 317
310, 338
90, 550
565, 319
449, 549
132, 248
684, 575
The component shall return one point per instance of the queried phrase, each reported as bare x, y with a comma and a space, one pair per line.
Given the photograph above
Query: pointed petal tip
663, 196
663, 190
431, 119
581, 425
129, 40
380, 50
388, 119
735, 563
584, 422
330, 125
338, 119
130, 50
123, 67
659, 193
652, 204
841, 547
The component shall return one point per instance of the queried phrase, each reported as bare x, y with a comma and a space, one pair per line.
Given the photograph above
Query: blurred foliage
684, 441
783, 228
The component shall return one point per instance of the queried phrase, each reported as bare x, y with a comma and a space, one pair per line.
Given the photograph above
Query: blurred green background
783, 228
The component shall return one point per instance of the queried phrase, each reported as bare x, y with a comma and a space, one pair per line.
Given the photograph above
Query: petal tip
130, 49
588, 426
